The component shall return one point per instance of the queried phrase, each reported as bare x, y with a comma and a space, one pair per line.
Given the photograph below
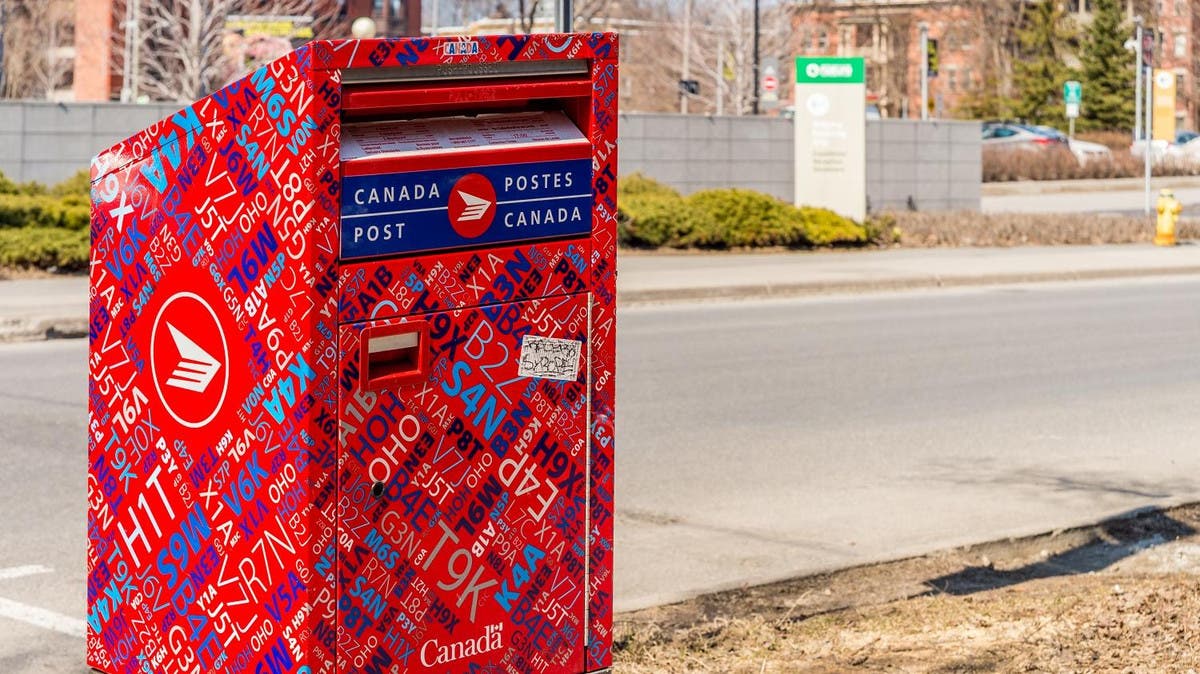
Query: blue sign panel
395, 213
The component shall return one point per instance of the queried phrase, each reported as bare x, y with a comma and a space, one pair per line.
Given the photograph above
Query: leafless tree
527, 12
180, 50
37, 36
720, 50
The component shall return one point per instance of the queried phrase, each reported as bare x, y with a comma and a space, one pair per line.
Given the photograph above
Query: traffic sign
768, 83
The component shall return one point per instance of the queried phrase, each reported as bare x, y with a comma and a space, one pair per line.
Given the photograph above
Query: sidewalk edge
1027, 533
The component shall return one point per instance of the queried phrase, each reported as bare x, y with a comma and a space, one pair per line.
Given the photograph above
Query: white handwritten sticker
549, 358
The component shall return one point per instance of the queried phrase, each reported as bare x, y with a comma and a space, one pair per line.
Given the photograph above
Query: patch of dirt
1122, 596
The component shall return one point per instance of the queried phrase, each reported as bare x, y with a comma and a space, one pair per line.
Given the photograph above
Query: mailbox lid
424, 185
472, 550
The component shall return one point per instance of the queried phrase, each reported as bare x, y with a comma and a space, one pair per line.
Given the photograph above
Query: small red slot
393, 355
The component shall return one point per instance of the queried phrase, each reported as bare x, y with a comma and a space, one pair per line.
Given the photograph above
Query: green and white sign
830, 139
1072, 97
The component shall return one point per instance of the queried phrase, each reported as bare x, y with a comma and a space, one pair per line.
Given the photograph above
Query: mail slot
352, 366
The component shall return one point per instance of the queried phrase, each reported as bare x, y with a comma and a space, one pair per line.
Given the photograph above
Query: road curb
805, 288
41, 329
967, 543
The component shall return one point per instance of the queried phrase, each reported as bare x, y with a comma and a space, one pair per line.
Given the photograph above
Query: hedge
27, 210
653, 215
50, 248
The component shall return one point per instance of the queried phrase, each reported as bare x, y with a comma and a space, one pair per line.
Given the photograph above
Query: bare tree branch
37, 35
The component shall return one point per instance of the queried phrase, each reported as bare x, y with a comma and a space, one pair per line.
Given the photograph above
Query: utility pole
563, 20
756, 32
687, 54
1148, 79
924, 70
2, 68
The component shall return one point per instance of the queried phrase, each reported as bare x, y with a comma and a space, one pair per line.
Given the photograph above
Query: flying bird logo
475, 207
196, 368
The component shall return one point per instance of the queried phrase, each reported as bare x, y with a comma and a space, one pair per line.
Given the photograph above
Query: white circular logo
812, 70
818, 105
1164, 79
189, 359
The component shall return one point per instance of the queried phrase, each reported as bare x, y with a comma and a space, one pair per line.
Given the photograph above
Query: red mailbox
352, 366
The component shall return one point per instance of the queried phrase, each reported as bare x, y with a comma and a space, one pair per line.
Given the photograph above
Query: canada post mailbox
351, 366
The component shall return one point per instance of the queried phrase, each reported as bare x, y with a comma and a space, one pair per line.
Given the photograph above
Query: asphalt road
43, 504
757, 441
761, 440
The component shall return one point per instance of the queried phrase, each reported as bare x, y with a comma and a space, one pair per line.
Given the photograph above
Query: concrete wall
697, 152
929, 166
49, 142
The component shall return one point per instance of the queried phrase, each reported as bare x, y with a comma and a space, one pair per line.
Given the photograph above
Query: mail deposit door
463, 422
463, 490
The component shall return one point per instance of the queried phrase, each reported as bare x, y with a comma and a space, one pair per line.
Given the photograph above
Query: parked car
1013, 136
1084, 151
1182, 149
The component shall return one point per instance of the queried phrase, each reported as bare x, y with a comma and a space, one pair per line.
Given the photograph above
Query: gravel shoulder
1123, 595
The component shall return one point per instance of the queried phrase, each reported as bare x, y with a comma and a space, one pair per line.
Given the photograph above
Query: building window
952, 80
822, 40
1180, 46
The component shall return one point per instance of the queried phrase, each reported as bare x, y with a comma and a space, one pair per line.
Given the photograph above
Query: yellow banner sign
1164, 105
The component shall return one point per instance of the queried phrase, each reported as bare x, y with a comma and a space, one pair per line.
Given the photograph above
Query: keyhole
377, 489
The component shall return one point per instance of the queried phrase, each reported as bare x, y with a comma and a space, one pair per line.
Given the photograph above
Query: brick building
886, 33
1179, 50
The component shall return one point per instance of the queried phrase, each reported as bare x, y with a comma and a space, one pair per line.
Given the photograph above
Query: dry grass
1114, 140
932, 230
1065, 624
1009, 165
1122, 596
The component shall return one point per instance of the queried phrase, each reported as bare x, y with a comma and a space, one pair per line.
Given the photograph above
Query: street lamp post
1137, 87
563, 21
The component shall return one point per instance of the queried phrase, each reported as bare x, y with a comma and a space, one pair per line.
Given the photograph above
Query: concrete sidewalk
57, 307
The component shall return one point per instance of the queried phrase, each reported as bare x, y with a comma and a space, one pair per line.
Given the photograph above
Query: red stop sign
770, 83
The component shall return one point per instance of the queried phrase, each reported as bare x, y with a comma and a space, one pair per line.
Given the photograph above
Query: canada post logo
189, 359
472, 205
414, 211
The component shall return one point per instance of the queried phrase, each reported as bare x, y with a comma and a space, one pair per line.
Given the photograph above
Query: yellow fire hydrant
1169, 209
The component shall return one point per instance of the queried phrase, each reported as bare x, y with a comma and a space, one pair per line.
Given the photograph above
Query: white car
1086, 151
